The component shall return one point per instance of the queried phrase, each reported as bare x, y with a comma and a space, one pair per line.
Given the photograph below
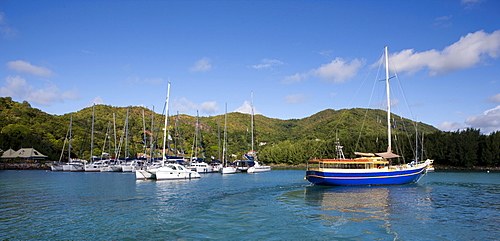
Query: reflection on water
361, 212
361, 203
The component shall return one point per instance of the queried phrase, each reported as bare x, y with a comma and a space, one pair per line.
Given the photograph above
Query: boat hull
390, 177
56, 168
228, 170
111, 169
259, 169
73, 168
92, 168
143, 175
171, 175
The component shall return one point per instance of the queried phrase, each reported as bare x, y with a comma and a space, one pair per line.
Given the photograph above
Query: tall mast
69, 142
152, 134
114, 134
224, 143
251, 105
92, 138
387, 89
166, 122
144, 132
126, 136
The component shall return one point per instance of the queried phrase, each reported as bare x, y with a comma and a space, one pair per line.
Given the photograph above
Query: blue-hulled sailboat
370, 168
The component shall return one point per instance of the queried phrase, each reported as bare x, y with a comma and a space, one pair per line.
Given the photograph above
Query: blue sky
296, 57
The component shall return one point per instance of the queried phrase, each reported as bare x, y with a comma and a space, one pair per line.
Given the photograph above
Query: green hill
24, 126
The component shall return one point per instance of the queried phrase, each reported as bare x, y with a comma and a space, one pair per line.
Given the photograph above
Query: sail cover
387, 155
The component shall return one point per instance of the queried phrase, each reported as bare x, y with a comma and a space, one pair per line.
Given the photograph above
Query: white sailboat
92, 166
227, 167
115, 165
198, 164
58, 166
73, 165
171, 171
256, 167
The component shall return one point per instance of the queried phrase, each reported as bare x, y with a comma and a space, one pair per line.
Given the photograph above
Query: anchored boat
370, 168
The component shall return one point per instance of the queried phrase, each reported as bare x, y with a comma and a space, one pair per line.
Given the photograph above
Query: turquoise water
278, 205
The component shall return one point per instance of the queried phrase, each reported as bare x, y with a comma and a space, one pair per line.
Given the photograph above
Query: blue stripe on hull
364, 179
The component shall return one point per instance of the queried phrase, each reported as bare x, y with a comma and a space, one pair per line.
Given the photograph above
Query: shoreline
46, 166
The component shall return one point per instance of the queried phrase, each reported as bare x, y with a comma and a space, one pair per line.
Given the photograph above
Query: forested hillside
289, 142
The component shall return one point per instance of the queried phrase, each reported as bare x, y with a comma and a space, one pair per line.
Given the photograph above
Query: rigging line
342, 114
413, 119
403, 92
369, 102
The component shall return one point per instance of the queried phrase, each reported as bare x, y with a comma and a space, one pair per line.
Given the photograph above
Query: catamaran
371, 168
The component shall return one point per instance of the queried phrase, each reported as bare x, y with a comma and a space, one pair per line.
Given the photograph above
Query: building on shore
23, 155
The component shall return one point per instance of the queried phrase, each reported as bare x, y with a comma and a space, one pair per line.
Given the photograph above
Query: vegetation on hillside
289, 142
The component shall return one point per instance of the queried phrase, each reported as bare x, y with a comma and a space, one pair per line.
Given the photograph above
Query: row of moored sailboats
167, 167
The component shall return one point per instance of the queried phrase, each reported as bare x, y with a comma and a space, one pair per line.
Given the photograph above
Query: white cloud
246, 108
154, 81
338, 70
5, 30
325, 52
494, 98
465, 53
97, 100
488, 122
17, 87
183, 105
25, 67
470, 3
267, 64
294, 78
450, 126
295, 98
443, 21
209, 107
201, 65
133, 80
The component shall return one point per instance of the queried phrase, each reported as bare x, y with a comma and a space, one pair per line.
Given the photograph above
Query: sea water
277, 205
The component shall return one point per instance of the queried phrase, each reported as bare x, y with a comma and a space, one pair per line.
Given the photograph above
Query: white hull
207, 169
73, 168
111, 169
171, 175
56, 168
92, 168
128, 168
228, 170
143, 174
175, 171
259, 169
201, 167
217, 168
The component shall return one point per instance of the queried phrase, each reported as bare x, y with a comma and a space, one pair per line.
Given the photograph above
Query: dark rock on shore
24, 166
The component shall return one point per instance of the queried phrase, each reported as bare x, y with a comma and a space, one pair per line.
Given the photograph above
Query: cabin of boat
359, 164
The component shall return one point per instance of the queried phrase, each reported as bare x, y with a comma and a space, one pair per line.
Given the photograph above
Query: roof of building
23, 153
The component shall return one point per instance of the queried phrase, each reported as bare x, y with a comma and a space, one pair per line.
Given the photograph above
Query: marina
276, 205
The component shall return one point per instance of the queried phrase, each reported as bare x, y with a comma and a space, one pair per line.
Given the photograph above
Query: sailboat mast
144, 134
70, 137
166, 122
387, 88
224, 143
251, 105
114, 134
92, 138
152, 134
126, 136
